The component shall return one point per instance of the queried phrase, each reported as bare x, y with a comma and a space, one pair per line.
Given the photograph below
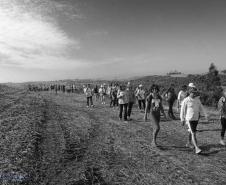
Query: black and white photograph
112, 92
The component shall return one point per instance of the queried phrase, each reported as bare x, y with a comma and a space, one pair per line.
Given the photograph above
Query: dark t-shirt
171, 95
96, 90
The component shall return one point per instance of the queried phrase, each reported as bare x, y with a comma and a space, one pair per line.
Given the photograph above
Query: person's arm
220, 105
161, 108
179, 100
144, 93
147, 107
183, 112
202, 110
138, 94
119, 95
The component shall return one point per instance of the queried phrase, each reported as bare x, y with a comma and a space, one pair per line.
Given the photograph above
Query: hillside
165, 81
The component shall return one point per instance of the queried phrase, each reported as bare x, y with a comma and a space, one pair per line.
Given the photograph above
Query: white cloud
29, 39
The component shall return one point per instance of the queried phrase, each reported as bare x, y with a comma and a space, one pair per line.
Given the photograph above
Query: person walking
122, 96
191, 110
140, 94
171, 97
154, 106
102, 94
113, 97
222, 112
89, 95
131, 99
96, 93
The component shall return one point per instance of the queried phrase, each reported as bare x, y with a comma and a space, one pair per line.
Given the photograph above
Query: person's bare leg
156, 128
194, 141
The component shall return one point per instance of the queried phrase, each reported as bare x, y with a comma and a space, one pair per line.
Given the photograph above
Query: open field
55, 140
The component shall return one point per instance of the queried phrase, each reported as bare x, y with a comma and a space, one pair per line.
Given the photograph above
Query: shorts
192, 126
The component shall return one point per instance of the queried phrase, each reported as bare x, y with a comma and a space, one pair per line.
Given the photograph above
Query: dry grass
55, 139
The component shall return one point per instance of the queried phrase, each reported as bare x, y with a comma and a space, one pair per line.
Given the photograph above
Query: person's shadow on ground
211, 149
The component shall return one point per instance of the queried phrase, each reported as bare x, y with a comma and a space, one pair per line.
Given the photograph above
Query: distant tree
224, 71
213, 80
213, 84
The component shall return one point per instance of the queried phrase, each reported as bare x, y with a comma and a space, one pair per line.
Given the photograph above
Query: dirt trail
83, 146
91, 145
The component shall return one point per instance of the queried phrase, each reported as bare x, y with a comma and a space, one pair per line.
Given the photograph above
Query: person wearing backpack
154, 106
222, 112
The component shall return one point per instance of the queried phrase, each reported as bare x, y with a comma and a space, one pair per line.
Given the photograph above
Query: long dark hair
155, 86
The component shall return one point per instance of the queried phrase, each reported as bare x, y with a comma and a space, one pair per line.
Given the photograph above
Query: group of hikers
65, 88
189, 106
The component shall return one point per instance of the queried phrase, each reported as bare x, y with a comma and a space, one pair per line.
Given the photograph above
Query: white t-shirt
122, 97
88, 92
191, 109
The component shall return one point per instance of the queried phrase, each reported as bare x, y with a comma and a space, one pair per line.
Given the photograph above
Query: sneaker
198, 151
222, 142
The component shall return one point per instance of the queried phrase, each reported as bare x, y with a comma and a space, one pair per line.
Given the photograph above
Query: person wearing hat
140, 94
131, 99
222, 112
191, 85
123, 100
191, 110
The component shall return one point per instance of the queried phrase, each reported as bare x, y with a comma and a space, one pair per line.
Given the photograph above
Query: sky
109, 39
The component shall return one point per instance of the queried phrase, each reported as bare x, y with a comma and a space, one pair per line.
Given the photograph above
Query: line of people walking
189, 106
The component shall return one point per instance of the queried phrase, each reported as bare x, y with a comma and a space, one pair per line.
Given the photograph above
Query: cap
191, 85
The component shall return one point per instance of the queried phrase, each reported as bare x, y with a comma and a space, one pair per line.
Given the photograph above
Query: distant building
176, 73
223, 72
